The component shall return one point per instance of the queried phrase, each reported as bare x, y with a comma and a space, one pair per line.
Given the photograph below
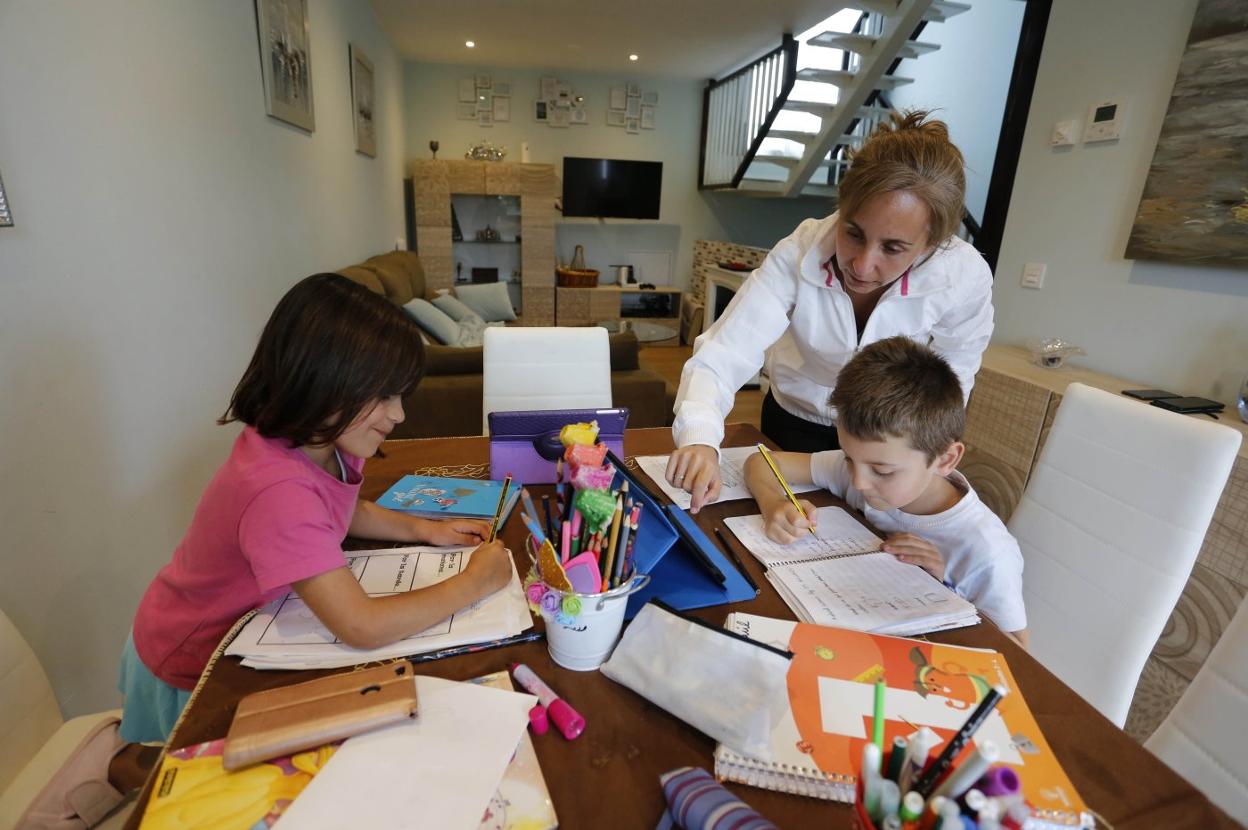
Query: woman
886, 263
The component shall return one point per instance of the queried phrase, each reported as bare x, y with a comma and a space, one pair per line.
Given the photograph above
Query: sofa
447, 401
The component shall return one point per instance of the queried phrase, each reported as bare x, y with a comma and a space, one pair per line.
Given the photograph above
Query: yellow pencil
498, 511
788, 490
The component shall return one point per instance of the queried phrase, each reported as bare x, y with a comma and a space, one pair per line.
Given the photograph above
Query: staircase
774, 129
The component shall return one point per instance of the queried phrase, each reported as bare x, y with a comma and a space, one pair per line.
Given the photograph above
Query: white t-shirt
982, 559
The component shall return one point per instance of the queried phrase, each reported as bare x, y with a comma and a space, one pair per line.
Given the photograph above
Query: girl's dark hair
330, 349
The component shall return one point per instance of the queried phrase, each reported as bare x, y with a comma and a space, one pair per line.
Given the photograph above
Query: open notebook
840, 577
817, 745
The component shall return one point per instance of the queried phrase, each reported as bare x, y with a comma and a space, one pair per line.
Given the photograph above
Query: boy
900, 416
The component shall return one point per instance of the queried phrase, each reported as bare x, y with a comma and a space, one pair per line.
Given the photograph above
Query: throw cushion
490, 300
472, 330
455, 309
434, 321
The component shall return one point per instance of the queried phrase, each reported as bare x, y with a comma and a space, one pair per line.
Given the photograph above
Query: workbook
731, 471
817, 744
436, 497
840, 577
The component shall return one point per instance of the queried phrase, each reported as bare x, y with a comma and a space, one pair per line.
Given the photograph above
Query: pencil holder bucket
583, 641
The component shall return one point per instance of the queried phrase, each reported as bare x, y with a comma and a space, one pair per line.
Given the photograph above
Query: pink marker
566, 545
538, 721
567, 720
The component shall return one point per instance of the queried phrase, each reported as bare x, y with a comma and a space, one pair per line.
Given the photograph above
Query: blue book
436, 497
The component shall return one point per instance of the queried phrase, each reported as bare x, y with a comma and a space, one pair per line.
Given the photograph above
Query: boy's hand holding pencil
787, 522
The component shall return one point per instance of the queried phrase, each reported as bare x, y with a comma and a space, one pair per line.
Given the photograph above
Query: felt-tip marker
567, 720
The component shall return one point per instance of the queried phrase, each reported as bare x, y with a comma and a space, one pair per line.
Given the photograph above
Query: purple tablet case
526, 444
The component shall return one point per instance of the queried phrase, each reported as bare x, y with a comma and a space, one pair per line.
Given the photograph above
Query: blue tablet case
676, 575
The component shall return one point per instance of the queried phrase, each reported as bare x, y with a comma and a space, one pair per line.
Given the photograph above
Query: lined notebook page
872, 592
837, 534
731, 472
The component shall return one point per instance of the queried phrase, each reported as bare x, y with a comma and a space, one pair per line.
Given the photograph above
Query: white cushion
490, 300
433, 320
454, 308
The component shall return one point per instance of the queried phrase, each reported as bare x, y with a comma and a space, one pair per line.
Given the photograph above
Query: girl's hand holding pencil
489, 567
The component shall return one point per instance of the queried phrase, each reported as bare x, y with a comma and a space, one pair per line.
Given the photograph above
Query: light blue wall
686, 214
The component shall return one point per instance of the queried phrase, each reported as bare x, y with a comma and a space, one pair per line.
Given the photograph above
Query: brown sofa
447, 401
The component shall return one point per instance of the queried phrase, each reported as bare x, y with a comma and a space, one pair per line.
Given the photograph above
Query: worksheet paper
870, 592
836, 533
286, 634
439, 769
731, 472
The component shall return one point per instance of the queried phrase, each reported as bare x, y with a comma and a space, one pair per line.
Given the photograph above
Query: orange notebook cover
830, 685
291, 718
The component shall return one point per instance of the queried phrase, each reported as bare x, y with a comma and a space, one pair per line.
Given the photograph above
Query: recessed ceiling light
632, 57
470, 43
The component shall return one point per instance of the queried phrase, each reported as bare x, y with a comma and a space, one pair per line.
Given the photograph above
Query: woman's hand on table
695, 469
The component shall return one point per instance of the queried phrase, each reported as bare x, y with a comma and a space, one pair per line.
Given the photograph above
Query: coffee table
646, 331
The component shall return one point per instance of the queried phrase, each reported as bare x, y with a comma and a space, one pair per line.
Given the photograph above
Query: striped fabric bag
696, 801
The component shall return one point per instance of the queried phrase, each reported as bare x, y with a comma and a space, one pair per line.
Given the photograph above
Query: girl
886, 263
323, 390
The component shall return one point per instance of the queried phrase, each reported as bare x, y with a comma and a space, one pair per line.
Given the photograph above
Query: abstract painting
362, 101
286, 60
1195, 203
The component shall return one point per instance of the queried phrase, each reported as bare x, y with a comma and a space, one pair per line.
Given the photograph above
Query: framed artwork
468, 111
632, 125
650, 98
467, 91
634, 90
647, 118
485, 118
579, 115
1192, 209
502, 88
482, 81
540, 111
502, 109
485, 101
362, 101
559, 116
615, 118
634, 107
619, 98
286, 61
563, 91
548, 88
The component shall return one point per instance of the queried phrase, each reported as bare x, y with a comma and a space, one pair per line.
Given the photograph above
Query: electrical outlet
1033, 275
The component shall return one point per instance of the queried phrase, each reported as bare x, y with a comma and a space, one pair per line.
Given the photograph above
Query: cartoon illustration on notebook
952, 681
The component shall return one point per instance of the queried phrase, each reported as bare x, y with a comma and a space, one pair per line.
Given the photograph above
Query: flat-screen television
612, 187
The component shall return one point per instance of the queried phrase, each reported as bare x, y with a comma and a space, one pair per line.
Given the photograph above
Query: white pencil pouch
725, 685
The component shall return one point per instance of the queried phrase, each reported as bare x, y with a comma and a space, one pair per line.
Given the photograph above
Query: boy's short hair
896, 387
329, 350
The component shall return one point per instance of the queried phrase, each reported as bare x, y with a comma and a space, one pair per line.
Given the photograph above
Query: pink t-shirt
269, 517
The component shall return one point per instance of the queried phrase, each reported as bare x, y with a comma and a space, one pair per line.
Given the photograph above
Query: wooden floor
669, 360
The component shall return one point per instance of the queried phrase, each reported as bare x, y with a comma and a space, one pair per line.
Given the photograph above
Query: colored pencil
787, 489
498, 511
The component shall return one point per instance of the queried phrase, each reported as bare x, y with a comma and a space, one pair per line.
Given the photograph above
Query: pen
736, 560
787, 489
455, 651
935, 770
498, 511
566, 719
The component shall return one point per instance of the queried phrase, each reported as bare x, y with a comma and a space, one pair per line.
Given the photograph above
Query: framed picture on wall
649, 98
619, 98
362, 101
615, 118
540, 111
286, 61
502, 88
467, 91
647, 118
579, 115
483, 81
502, 109
468, 111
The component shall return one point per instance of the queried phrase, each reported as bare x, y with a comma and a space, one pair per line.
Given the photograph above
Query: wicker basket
576, 277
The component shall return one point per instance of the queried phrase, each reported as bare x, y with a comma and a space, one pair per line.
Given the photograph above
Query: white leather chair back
1203, 737
1109, 525
29, 714
527, 368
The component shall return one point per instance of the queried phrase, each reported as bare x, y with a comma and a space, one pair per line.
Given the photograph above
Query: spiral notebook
840, 577
817, 745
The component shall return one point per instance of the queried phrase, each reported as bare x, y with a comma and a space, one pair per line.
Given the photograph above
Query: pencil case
526, 445
727, 686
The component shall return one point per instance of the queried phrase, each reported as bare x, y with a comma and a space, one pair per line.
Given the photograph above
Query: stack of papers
731, 472
286, 634
440, 769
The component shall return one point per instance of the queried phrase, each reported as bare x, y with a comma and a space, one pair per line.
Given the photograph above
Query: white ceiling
674, 38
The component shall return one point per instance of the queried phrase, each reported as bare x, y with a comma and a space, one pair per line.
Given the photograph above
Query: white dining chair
36, 739
1109, 525
1202, 738
557, 367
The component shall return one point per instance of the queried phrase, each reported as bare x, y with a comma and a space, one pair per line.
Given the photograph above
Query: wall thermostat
1104, 121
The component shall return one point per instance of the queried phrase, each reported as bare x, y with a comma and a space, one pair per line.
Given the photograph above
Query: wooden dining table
609, 776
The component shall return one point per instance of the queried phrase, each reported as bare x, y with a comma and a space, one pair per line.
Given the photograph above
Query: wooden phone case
290, 719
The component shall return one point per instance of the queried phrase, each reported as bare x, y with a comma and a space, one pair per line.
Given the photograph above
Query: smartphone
1148, 394
1190, 405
